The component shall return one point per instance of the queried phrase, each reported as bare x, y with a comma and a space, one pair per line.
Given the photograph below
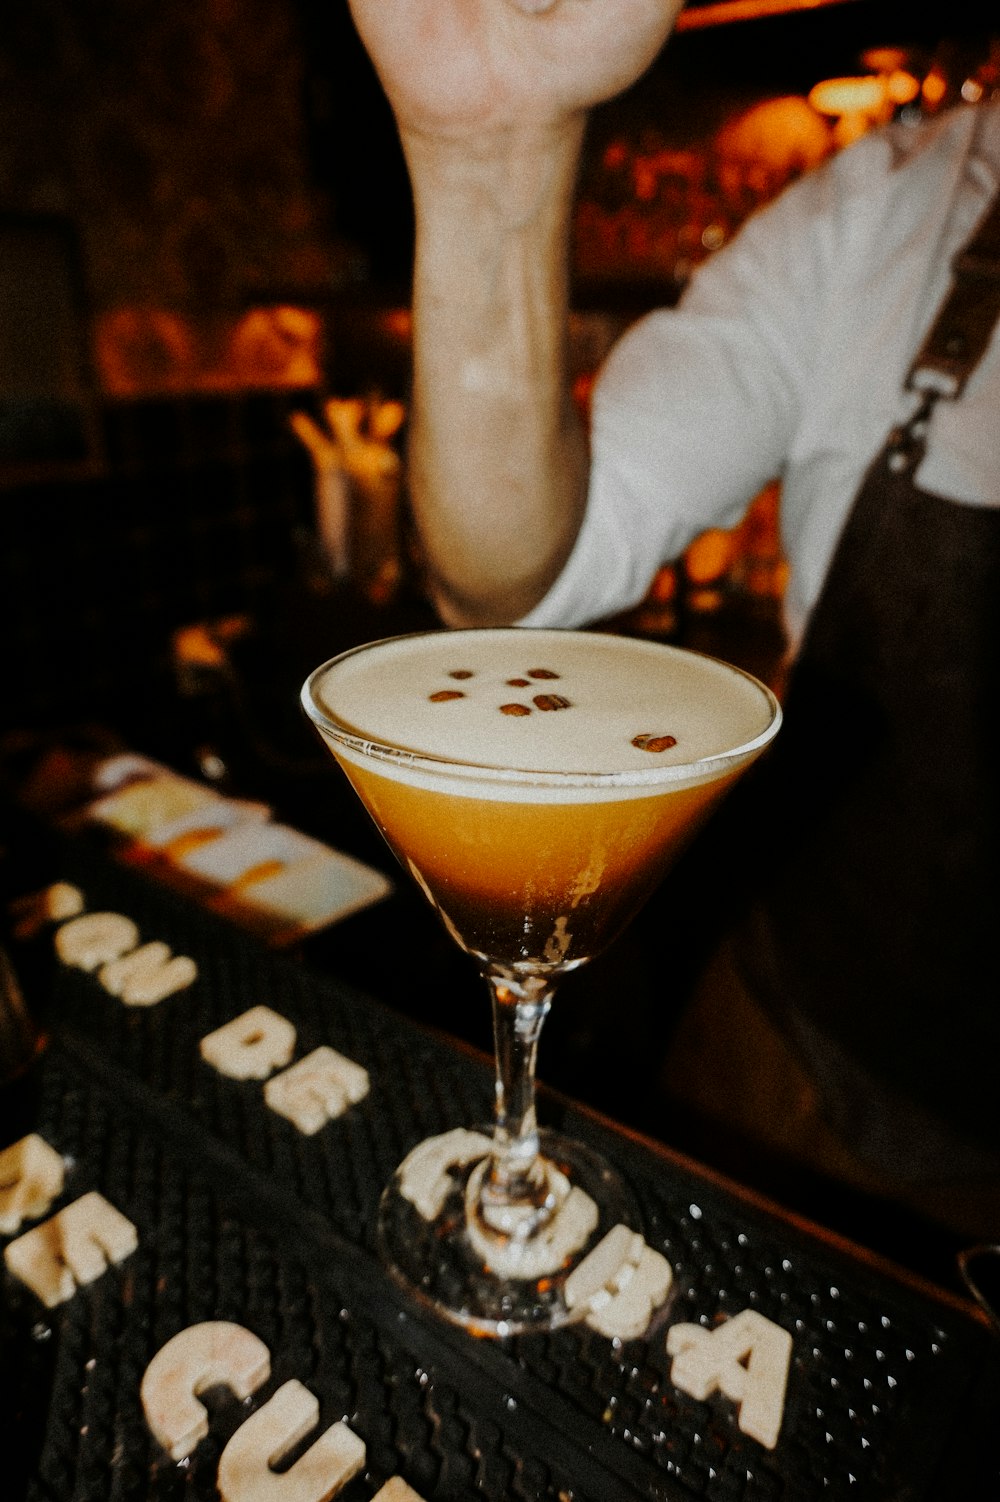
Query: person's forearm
497, 456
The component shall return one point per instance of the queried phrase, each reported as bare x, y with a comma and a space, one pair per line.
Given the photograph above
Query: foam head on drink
537, 783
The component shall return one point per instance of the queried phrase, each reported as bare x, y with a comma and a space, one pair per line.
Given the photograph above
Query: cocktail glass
536, 785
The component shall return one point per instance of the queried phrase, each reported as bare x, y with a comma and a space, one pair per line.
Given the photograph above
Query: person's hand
464, 68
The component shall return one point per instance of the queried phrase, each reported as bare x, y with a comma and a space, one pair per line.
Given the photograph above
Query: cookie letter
251, 1046
148, 975
746, 1358
621, 1281
316, 1089
51, 905
31, 1177
245, 1473
71, 1248
423, 1175
202, 1356
396, 1490
95, 938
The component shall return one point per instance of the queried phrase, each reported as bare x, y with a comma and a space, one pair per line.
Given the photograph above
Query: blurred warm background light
848, 96
726, 11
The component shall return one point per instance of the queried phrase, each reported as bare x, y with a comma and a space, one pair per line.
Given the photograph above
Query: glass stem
516, 1176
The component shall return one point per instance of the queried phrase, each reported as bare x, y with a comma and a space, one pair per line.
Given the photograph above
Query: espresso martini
536, 785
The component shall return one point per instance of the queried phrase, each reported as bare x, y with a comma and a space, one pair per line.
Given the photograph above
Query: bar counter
240, 1216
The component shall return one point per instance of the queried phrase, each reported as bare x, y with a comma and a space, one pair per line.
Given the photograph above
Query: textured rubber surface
241, 1217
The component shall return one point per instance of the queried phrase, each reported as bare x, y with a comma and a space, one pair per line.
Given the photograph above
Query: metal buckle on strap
932, 380
908, 442
960, 333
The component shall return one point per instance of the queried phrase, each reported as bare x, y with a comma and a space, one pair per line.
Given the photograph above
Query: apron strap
957, 340
961, 331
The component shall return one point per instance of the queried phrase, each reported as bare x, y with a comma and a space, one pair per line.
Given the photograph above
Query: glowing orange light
935, 87
664, 586
901, 87
399, 322
726, 11
709, 556
848, 96
883, 59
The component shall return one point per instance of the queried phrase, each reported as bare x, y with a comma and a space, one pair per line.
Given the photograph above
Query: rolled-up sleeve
696, 407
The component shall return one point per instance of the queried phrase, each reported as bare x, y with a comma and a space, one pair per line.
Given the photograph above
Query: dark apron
874, 942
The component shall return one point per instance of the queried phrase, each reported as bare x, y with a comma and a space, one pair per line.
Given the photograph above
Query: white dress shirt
787, 358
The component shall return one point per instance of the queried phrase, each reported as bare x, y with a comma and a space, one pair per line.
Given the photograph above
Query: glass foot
503, 1279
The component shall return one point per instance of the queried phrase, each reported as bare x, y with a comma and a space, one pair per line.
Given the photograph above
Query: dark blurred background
205, 238
205, 225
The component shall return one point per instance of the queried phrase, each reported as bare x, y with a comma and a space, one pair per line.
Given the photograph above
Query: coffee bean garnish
541, 673
462, 673
654, 742
514, 709
551, 701
518, 683
444, 694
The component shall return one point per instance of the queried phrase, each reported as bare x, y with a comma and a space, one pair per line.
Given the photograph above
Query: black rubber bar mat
241, 1217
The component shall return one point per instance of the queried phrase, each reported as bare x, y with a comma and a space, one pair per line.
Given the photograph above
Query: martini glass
536, 785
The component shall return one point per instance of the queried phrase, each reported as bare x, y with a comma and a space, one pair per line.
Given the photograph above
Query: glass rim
378, 749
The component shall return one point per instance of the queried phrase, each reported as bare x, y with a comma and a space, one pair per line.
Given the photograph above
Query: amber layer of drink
545, 883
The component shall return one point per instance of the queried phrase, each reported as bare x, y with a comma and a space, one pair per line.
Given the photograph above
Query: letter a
746, 1358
